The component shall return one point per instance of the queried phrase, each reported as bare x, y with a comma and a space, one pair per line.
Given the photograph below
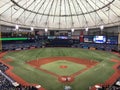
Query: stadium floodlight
86, 29
16, 27
32, 29
101, 27
72, 30
46, 30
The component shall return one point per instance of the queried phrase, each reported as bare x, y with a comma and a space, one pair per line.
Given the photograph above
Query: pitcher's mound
63, 66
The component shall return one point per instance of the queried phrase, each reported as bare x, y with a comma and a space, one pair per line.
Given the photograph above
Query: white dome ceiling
60, 14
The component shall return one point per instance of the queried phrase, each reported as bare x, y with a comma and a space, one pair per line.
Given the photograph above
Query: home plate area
65, 79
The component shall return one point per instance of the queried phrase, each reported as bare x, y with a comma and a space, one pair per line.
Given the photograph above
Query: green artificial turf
97, 74
55, 67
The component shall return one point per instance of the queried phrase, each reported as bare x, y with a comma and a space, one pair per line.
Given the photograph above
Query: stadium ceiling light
32, 29
86, 29
46, 30
101, 27
72, 30
16, 27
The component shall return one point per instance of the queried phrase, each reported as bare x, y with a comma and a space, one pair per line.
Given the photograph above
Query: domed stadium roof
60, 14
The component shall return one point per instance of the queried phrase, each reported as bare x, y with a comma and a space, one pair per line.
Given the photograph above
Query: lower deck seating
15, 46
5, 83
106, 47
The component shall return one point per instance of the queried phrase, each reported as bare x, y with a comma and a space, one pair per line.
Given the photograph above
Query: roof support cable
65, 12
76, 12
81, 11
43, 11
25, 10
5, 4
101, 10
38, 10
108, 12
55, 10
33, 9
111, 9
72, 24
115, 5
47, 20
8, 8
60, 13
87, 11
97, 13
18, 9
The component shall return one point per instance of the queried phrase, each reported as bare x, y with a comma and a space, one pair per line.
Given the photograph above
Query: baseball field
45, 65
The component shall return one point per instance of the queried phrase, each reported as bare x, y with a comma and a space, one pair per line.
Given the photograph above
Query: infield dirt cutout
63, 66
68, 78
